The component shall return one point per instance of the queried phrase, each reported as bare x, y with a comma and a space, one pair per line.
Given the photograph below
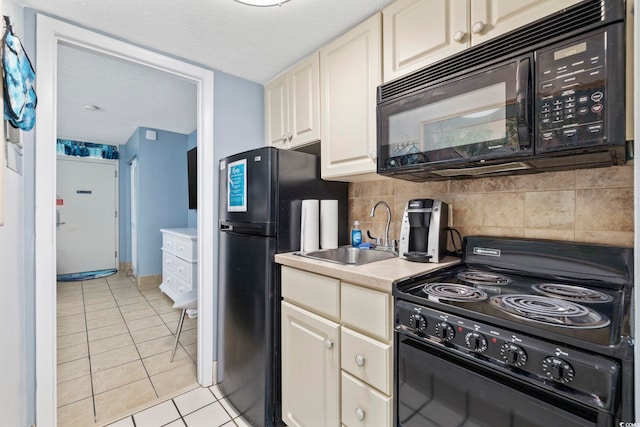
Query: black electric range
554, 316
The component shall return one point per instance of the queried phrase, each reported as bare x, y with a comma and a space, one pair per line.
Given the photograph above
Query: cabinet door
276, 113
491, 18
417, 33
310, 369
350, 73
304, 101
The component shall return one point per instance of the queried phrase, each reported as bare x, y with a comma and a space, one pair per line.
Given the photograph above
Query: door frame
133, 217
50, 32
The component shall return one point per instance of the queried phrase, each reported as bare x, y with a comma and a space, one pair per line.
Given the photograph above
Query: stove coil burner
483, 278
550, 310
453, 292
572, 293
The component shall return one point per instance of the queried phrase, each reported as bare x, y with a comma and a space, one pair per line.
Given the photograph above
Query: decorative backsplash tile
587, 205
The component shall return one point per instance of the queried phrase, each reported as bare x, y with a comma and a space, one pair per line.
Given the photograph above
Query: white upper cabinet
292, 105
420, 32
350, 74
491, 18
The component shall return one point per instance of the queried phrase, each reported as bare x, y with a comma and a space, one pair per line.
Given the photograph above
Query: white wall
13, 334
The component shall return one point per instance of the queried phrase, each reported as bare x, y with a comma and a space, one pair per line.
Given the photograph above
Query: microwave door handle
523, 93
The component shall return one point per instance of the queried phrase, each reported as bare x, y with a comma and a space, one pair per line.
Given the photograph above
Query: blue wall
162, 194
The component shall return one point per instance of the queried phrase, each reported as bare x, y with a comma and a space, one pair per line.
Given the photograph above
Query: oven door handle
523, 100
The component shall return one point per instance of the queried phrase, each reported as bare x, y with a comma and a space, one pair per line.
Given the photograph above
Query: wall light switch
152, 135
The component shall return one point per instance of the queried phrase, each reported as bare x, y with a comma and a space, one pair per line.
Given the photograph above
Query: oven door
481, 115
434, 388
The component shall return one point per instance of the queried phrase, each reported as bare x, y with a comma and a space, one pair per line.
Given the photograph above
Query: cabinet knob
459, 36
373, 155
284, 138
328, 344
477, 27
289, 136
359, 414
359, 360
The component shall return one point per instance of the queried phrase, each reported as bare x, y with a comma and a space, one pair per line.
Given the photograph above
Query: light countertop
378, 275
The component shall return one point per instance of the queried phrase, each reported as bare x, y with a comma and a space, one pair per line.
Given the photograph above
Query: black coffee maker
423, 236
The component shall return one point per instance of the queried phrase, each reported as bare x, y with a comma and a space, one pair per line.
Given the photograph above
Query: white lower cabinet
337, 352
310, 368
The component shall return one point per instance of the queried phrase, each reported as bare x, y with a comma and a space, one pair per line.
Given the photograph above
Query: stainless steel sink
348, 255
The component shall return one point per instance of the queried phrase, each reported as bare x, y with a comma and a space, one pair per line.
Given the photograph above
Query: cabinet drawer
177, 265
367, 359
182, 247
318, 293
173, 285
366, 310
363, 405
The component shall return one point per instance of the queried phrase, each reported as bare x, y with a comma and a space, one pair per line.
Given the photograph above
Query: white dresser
179, 261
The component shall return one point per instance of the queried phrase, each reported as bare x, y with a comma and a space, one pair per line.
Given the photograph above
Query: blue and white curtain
86, 149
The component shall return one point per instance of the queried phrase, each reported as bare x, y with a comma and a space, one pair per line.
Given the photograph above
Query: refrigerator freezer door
248, 190
249, 320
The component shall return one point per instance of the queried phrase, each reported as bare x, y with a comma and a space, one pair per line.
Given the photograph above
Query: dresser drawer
366, 310
181, 268
318, 293
368, 359
364, 406
182, 247
173, 285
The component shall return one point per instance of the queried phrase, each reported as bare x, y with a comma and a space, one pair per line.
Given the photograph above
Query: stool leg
178, 331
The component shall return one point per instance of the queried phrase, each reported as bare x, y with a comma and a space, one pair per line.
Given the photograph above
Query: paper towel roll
310, 226
328, 224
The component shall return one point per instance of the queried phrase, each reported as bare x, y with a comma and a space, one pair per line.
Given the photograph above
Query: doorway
50, 33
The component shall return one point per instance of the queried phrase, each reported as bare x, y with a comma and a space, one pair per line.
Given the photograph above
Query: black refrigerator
261, 193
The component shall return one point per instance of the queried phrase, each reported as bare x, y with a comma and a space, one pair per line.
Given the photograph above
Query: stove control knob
557, 369
513, 355
444, 331
417, 322
476, 341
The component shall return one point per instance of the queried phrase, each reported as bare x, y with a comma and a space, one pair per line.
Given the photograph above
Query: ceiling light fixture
262, 3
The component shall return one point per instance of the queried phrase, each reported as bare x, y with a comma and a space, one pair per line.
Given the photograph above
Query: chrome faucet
385, 245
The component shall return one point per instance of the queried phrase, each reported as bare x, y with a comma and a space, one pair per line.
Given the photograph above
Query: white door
133, 173
87, 223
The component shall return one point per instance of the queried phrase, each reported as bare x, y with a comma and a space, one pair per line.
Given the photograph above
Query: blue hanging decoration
86, 149
18, 78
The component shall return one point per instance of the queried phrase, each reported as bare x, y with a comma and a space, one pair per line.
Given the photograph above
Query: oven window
434, 391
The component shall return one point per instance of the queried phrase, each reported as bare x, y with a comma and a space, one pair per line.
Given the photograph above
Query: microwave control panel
571, 93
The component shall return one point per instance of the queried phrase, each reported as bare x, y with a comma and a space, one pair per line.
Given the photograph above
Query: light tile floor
200, 407
114, 344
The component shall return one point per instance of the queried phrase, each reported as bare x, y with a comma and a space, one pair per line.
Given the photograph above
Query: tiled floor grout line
86, 331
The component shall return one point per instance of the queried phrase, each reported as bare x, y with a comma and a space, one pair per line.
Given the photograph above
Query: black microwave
547, 96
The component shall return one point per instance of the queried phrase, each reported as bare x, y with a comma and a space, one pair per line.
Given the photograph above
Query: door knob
459, 36
477, 27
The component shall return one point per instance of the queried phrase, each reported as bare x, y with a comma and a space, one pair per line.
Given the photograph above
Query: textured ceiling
254, 43
128, 95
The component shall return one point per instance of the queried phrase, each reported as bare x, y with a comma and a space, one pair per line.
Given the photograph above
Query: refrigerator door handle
226, 227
